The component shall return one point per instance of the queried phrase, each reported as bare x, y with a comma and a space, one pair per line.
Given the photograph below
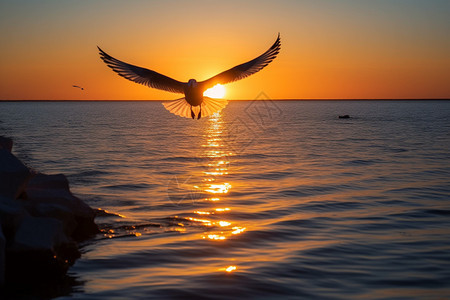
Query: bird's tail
210, 106
179, 107
182, 108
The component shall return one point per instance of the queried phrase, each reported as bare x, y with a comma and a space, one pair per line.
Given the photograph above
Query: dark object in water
344, 117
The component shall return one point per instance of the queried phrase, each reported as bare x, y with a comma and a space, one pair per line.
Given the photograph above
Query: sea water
264, 200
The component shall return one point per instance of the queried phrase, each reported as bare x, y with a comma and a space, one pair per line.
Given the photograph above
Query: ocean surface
265, 200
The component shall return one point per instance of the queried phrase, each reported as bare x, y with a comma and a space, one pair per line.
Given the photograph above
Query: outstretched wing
245, 69
141, 75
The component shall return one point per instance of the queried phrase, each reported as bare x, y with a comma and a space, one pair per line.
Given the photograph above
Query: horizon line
267, 99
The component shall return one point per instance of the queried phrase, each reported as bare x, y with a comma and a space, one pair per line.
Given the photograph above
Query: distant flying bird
76, 86
192, 90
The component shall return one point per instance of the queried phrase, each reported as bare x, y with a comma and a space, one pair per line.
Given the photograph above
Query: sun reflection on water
229, 269
215, 188
199, 212
222, 209
214, 184
211, 187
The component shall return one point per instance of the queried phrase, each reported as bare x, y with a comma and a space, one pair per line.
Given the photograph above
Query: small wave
296, 223
311, 190
245, 156
439, 212
418, 214
293, 193
361, 162
275, 175
138, 226
331, 206
130, 187
90, 173
258, 238
420, 193
103, 213
180, 159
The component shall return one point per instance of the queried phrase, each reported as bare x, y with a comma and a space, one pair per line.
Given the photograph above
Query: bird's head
192, 83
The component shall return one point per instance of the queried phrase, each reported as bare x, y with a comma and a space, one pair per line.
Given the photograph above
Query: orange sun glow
217, 91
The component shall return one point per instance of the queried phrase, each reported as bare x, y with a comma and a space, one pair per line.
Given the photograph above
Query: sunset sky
330, 49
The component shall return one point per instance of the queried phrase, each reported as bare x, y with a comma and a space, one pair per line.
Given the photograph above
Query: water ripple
306, 206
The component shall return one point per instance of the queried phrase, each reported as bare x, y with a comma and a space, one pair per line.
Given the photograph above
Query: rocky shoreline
41, 222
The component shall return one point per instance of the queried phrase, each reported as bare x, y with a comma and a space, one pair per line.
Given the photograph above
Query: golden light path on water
206, 192
216, 187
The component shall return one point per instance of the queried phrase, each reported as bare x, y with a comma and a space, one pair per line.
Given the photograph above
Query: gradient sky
330, 49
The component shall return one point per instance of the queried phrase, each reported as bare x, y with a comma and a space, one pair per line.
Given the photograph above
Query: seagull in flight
193, 104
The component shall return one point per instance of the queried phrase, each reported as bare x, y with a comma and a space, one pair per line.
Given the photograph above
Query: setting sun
217, 91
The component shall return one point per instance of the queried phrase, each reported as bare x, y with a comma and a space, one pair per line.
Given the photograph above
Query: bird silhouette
76, 86
193, 104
